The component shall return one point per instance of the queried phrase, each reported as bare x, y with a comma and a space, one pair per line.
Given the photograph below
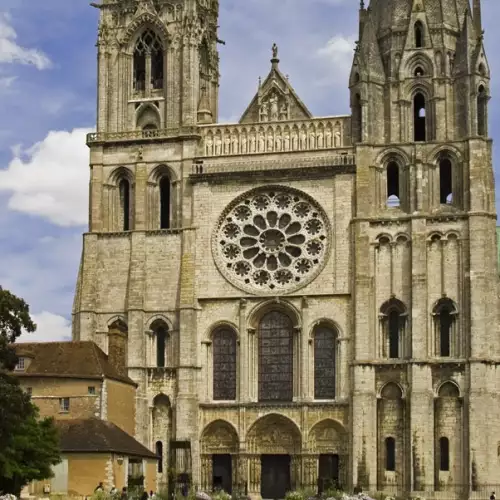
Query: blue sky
47, 98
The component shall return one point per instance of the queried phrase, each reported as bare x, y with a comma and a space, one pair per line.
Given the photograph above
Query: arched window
444, 454
276, 357
393, 195
393, 314
148, 62
165, 202
419, 117
325, 360
445, 182
390, 454
224, 365
419, 35
161, 346
124, 190
482, 99
150, 126
159, 453
444, 326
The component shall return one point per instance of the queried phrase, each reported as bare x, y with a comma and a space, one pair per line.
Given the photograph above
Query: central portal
275, 476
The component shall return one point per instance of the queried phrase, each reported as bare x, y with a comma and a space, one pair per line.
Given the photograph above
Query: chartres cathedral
303, 302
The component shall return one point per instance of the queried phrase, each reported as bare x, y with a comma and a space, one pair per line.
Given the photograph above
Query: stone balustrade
274, 137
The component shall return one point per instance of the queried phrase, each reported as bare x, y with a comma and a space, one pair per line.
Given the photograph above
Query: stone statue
262, 143
320, 140
295, 141
253, 143
337, 139
227, 145
270, 142
328, 137
218, 146
284, 112
312, 140
274, 107
286, 142
263, 112
244, 144
209, 146
278, 143
275, 51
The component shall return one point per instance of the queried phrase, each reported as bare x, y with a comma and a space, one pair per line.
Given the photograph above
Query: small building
92, 399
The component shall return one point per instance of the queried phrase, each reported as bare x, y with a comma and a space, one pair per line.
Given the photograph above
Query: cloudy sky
47, 103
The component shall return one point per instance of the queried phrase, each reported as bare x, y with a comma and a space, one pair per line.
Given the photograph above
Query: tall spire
476, 13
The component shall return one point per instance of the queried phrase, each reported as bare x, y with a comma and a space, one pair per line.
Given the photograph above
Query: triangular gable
275, 100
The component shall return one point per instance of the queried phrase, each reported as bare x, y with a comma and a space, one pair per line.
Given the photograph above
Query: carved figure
328, 137
275, 51
244, 144
270, 145
227, 145
218, 146
303, 140
295, 141
287, 142
209, 146
253, 143
283, 112
274, 108
278, 143
262, 143
337, 139
264, 117
320, 140
235, 150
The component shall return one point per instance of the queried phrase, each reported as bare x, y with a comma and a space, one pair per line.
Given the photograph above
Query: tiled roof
98, 436
67, 359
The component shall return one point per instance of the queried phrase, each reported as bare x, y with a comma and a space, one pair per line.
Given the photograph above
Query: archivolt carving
135, 27
328, 436
219, 437
273, 138
274, 434
272, 239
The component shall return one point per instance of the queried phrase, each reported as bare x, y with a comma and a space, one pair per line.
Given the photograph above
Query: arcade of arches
275, 456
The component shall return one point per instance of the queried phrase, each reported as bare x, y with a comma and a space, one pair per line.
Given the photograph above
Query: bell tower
158, 66
424, 238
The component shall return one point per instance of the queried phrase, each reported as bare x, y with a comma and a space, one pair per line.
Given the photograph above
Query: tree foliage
29, 446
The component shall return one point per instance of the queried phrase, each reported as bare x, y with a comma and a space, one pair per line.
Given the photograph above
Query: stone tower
306, 301
425, 275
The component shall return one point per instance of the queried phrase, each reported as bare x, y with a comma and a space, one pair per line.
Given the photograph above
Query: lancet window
148, 62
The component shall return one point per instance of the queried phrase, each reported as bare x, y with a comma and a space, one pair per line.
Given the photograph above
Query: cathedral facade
304, 302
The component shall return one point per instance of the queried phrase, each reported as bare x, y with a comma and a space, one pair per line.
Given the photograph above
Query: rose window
271, 240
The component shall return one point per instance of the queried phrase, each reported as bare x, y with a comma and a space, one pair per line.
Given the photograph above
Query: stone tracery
271, 240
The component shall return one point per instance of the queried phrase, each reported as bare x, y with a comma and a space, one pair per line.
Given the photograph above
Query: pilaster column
253, 360
305, 387
243, 358
140, 205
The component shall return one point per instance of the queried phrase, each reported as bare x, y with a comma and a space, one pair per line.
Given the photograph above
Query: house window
390, 454
64, 405
91, 390
444, 454
20, 365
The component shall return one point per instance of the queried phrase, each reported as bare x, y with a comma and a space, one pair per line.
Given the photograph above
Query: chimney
117, 347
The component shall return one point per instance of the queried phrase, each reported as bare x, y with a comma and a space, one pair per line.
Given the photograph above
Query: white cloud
50, 179
337, 54
50, 328
11, 52
6, 81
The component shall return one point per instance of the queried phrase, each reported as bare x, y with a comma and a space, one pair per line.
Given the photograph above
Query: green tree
29, 446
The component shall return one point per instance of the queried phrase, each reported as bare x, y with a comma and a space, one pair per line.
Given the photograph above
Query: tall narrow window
165, 202
148, 62
324, 362
124, 189
393, 334
444, 454
224, 365
393, 197
390, 454
419, 35
481, 111
358, 119
445, 182
419, 115
159, 453
444, 321
393, 314
276, 357
161, 346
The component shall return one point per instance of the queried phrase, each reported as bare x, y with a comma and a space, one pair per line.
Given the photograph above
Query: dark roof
98, 436
67, 359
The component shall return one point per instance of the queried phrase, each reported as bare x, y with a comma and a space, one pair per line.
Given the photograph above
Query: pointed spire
362, 18
478, 22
